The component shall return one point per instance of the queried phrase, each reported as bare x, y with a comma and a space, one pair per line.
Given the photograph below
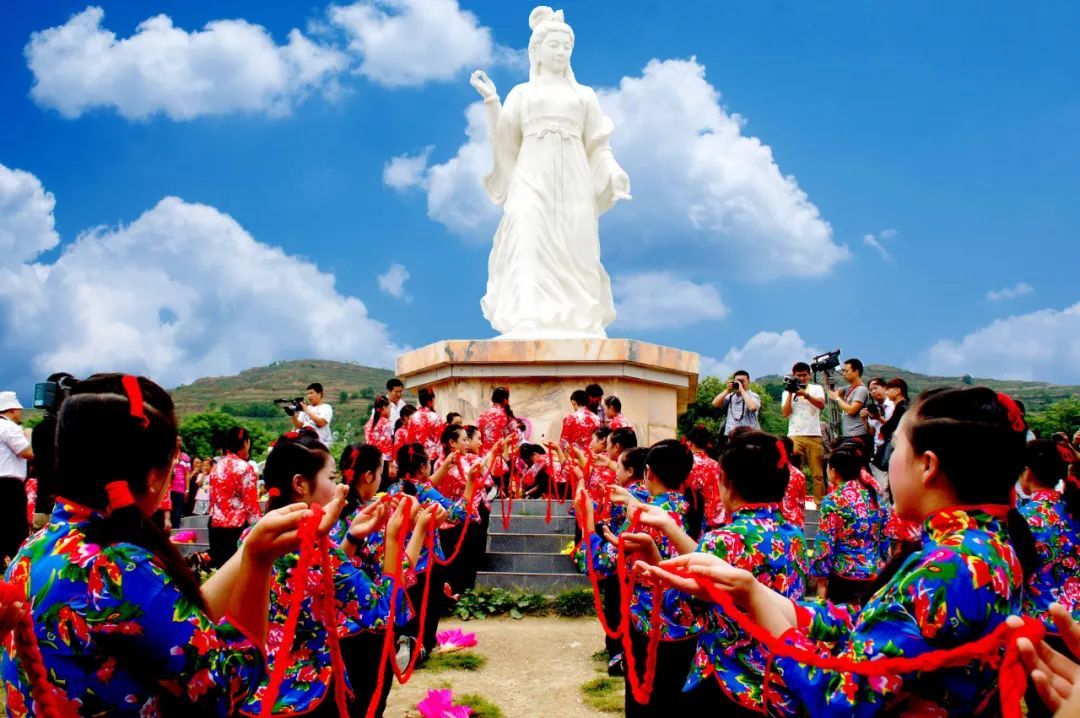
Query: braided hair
754, 466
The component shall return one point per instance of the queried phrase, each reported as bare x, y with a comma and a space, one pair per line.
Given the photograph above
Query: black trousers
14, 524
609, 588
177, 508
436, 606
362, 654
223, 544
673, 660
708, 698
849, 590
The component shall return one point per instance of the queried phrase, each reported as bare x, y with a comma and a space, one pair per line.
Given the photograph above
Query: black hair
394, 383
98, 442
594, 391
529, 452
614, 403
410, 459
846, 462
799, 366
634, 461
579, 397
406, 411
426, 396
297, 452
235, 438
381, 402
501, 395
752, 466
980, 452
700, 436
880, 381
670, 462
451, 416
623, 436
471, 430
898, 383
316, 387
856, 365
450, 433
1045, 464
356, 460
741, 372
602, 432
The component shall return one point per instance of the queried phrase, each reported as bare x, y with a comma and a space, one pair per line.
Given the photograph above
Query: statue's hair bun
539, 15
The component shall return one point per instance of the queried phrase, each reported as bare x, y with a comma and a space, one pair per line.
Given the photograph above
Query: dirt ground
535, 668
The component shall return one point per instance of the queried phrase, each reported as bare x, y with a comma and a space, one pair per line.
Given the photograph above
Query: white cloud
182, 292
1017, 290
392, 281
26, 217
1042, 345
877, 241
228, 66
661, 300
698, 182
764, 353
405, 171
411, 42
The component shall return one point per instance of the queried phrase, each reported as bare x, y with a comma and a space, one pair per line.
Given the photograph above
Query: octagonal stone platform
654, 382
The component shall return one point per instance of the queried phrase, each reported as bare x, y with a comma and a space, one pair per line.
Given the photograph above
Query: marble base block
654, 383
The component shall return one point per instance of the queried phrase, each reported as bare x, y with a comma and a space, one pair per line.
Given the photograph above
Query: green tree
1063, 415
343, 397
701, 410
202, 434
367, 393
262, 410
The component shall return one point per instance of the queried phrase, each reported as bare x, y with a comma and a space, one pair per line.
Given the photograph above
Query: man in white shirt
14, 452
803, 412
316, 414
394, 389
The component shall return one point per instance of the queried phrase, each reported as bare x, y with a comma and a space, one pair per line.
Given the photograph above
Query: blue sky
947, 133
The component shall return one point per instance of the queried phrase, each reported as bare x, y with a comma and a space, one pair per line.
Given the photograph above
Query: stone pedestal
654, 383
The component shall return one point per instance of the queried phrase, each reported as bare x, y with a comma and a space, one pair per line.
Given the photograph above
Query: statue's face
555, 51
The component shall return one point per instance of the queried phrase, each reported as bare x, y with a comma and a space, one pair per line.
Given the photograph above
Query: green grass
456, 661
481, 707
601, 657
604, 694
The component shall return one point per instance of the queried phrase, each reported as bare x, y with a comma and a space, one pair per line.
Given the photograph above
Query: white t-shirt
323, 411
805, 418
13, 442
887, 408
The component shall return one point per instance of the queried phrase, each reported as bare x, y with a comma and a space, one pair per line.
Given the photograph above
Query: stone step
531, 507
528, 543
522, 562
546, 583
533, 525
195, 522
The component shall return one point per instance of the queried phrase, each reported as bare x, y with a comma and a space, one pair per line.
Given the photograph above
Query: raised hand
332, 510
620, 185
641, 548
654, 516
368, 520
276, 533
1055, 676
483, 84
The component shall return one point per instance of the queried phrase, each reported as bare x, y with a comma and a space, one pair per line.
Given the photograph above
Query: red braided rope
598, 604
42, 691
1012, 678
465, 523
641, 688
297, 590
506, 494
329, 606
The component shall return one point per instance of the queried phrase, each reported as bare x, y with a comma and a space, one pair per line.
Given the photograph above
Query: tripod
830, 415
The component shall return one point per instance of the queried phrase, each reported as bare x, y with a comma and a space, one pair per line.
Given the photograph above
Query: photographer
876, 412
851, 403
43, 442
801, 404
741, 403
316, 414
14, 452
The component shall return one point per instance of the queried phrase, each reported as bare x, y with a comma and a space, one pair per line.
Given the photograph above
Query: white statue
554, 176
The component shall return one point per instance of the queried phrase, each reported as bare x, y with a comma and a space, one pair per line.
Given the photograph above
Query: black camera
50, 394
291, 406
792, 385
873, 410
826, 362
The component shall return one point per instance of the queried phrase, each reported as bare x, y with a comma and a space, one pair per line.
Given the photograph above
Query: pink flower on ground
440, 704
455, 640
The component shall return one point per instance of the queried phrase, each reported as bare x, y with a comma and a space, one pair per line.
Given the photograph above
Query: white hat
8, 400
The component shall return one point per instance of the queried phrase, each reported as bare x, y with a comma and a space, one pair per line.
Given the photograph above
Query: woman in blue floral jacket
122, 625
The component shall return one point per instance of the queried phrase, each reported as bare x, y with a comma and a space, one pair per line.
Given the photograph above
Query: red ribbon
783, 454
135, 398
1016, 417
119, 494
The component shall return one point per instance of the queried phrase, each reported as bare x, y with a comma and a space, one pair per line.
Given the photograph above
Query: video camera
291, 406
792, 385
50, 394
825, 362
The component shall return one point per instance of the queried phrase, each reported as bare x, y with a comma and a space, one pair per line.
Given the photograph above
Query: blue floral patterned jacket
851, 541
1057, 541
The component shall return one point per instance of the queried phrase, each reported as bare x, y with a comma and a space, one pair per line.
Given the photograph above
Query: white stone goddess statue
554, 176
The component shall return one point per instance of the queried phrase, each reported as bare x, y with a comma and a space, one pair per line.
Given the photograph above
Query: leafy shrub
481, 603
574, 603
481, 707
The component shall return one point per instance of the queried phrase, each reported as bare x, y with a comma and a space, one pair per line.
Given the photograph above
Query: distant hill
1036, 395
250, 393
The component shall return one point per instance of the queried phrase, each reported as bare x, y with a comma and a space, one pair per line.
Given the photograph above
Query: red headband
135, 398
783, 454
1068, 454
273, 492
119, 494
1016, 417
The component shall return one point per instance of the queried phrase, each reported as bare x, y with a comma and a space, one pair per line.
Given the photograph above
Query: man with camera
851, 404
801, 404
741, 403
15, 450
316, 414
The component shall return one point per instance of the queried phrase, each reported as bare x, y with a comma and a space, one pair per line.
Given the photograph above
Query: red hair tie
348, 475
1016, 417
135, 398
273, 492
290, 435
1067, 453
783, 454
1074, 480
119, 494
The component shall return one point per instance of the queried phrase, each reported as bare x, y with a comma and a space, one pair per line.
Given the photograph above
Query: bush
455, 661
481, 707
574, 603
479, 604
202, 434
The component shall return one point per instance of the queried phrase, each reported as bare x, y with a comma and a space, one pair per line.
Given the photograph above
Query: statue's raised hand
620, 185
484, 85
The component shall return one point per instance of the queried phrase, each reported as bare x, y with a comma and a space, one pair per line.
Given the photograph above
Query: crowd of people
936, 523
